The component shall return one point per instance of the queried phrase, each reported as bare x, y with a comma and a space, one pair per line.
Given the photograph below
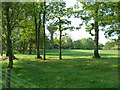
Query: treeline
112, 45
84, 43
67, 43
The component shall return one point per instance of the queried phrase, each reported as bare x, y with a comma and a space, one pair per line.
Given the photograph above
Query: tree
44, 14
77, 44
87, 43
108, 45
84, 43
67, 42
10, 18
59, 12
51, 28
100, 46
113, 19
35, 13
93, 15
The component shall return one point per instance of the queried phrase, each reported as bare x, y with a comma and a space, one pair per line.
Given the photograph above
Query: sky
81, 33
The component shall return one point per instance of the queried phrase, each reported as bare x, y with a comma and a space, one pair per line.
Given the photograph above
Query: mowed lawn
77, 69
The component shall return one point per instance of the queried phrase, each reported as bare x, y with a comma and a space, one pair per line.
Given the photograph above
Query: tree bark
60, 46
96, 39
37, 33
60, 42
8, 80
8, 37
44, 49
30, 48
96, 53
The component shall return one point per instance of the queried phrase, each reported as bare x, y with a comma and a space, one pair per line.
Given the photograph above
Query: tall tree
44, 14
93, 14
58, 13
11, 16
34, 10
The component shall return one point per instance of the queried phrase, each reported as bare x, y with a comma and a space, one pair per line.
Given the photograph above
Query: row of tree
24, 24
67, 43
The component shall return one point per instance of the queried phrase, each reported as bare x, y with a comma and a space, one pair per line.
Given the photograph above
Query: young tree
61, 28
44, 14
58, 12
51, 28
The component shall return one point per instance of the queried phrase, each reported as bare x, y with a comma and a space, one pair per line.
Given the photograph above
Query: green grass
76, 70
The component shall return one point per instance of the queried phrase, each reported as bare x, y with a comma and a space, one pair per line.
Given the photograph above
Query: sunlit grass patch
77, 69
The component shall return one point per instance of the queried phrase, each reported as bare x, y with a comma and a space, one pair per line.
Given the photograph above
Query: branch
91, 30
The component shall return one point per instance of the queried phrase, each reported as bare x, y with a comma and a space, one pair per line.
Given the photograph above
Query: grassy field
76, 70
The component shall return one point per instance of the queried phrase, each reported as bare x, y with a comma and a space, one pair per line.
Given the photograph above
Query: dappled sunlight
114, 66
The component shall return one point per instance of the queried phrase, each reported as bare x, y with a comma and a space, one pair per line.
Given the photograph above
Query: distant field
76, 70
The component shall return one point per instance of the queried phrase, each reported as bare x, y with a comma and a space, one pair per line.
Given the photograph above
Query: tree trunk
37, 38
30, 48
119, 25
96, 39
44, 49
23, 50
60, 43
96, 53
52, 41
8, 37
9, 49
8, 79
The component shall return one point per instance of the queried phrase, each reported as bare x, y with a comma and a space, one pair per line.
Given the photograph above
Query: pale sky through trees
81, 33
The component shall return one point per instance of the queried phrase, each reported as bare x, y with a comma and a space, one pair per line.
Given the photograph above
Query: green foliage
113, 19
77, 44
67, 42
110, 45
85, 43
107, 16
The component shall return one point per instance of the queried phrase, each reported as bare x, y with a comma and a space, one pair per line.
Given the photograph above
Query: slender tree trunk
30, 48
52, 41
60, 43
39, 27
37, 38
44, 49
23, 49
37, 33
119, 26
96, 53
